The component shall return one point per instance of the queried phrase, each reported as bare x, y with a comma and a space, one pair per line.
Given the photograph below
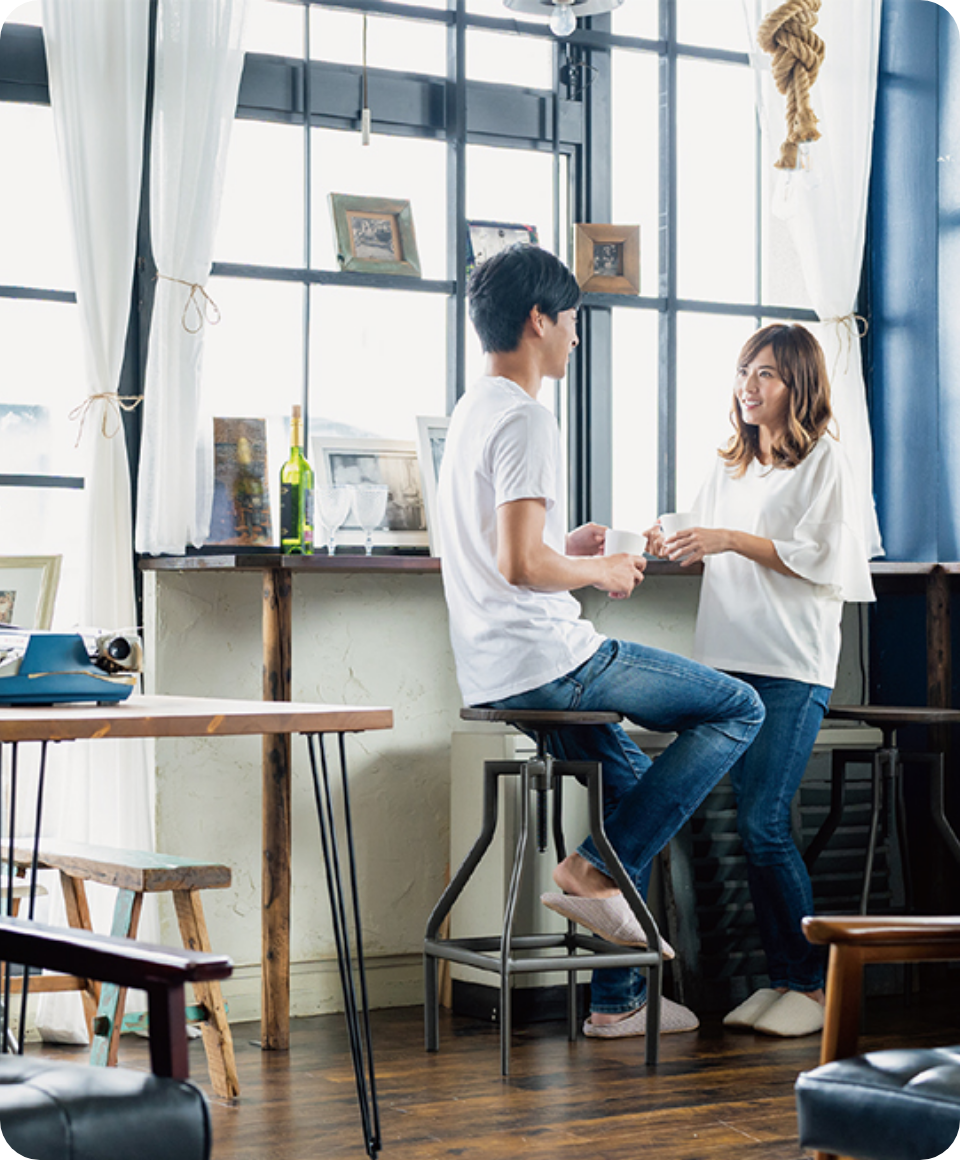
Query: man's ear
536, 320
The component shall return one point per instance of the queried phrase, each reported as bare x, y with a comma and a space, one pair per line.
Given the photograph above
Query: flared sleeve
826, 546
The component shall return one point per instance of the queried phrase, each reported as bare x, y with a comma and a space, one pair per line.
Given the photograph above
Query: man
518, 637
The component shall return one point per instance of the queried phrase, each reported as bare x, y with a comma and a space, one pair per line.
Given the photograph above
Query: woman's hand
692, 544
655, 541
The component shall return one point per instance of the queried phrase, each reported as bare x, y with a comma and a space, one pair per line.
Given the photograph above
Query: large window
645, 116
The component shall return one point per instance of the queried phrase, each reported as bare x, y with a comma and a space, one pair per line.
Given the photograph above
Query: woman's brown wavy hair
801, 365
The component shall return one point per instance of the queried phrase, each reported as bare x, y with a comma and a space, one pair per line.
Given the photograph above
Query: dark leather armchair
898, 1104
57, 1111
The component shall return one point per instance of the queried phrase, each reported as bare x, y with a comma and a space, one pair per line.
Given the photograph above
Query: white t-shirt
754, 620
501, 446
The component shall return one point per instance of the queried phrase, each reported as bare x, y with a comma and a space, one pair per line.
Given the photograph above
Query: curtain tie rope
848, 327
116, 404
207, 311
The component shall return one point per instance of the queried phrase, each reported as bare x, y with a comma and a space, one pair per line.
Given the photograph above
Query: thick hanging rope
787, 34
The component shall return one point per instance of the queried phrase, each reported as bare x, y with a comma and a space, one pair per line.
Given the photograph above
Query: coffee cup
674, 522
618, 541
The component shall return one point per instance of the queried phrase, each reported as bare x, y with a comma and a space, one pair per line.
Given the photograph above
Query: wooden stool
887, 762
540, 776
135, 873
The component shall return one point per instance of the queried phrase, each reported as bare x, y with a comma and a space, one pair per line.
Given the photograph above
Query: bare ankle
575, 875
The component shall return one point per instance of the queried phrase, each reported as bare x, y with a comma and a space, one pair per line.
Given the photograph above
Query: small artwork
374, 235
385, 461
432, 439
241, 493
607, 258
484, 239
28, 590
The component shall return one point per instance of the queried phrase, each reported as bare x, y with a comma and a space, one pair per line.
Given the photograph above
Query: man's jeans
645, 802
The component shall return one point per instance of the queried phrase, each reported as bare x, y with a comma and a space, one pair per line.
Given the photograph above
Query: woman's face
762, 394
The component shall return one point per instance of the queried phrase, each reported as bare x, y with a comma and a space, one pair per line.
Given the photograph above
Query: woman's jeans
765, 780
645, 802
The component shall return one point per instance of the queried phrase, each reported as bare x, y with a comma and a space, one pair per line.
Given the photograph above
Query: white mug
617, 541
674, 522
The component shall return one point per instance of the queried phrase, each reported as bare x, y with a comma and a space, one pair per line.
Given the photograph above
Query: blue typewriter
52, 668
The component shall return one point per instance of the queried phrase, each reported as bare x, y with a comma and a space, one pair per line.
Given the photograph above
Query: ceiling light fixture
563, 14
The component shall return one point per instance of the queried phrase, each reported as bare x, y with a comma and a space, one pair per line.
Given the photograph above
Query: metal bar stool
887, 812
508, 953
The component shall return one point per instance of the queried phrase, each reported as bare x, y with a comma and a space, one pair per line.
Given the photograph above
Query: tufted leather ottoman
899, 1104
55, 1111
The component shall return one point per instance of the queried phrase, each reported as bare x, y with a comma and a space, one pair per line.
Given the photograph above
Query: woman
779, 535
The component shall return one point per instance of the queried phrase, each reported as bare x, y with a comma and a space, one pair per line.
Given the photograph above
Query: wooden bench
135, 873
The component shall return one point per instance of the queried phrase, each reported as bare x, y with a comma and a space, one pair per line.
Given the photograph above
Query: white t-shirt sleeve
522, 453
826, 547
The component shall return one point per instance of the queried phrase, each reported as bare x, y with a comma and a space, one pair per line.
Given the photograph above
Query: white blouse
754, 620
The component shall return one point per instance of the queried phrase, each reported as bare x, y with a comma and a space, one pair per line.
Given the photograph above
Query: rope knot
787, 34
114, 404
207, 311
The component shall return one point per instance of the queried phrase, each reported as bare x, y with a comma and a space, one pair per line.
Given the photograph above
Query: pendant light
563, 14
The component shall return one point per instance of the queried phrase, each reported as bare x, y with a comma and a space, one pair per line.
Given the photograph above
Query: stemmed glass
333, 505
370, 505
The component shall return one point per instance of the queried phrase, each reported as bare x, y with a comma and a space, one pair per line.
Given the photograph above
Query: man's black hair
504, 289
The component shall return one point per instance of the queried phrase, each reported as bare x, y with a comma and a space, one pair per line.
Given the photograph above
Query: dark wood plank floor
714, 1096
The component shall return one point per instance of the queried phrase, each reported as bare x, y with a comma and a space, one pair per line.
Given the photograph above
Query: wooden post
275, 986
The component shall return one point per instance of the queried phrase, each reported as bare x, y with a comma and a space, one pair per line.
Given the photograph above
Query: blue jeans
646, 802
765, 780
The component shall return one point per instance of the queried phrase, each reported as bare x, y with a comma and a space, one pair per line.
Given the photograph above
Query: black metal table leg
352, 970
7, 1041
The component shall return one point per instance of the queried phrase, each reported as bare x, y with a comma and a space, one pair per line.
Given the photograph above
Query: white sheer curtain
824, 204
97, 60
199, 61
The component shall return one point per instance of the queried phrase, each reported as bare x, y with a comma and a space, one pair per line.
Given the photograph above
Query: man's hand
587, 540
623, 573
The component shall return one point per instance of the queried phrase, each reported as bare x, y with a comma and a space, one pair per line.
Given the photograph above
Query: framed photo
431, 440
28, 590
607, 258
393, 462
484, 239
374, 235
241, 490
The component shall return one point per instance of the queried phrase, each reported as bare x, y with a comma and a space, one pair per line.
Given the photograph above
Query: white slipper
752, 1009
610, 918
793, 1015
674, 1018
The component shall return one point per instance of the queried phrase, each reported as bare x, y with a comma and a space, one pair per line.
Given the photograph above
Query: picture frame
431, 440
374, 235
607, 258
390, 461
28, 590
485, 238
240, 513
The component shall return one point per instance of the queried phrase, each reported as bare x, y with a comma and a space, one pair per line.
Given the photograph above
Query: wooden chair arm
856, 941
161, 972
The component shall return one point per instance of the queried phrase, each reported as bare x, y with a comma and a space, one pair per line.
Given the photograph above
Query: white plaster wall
377, 640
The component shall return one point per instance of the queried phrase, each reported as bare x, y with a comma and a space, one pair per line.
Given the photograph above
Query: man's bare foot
604, 1018
575, 875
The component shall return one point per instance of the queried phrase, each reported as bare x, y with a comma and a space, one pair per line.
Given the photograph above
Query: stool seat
895, 715
541, 719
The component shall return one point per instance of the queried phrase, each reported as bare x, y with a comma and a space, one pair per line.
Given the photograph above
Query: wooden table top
166, 716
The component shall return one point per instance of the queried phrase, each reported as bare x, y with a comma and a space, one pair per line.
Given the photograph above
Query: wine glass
370, 504
333, 504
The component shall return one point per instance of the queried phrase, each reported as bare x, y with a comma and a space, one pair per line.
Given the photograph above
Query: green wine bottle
296, 495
